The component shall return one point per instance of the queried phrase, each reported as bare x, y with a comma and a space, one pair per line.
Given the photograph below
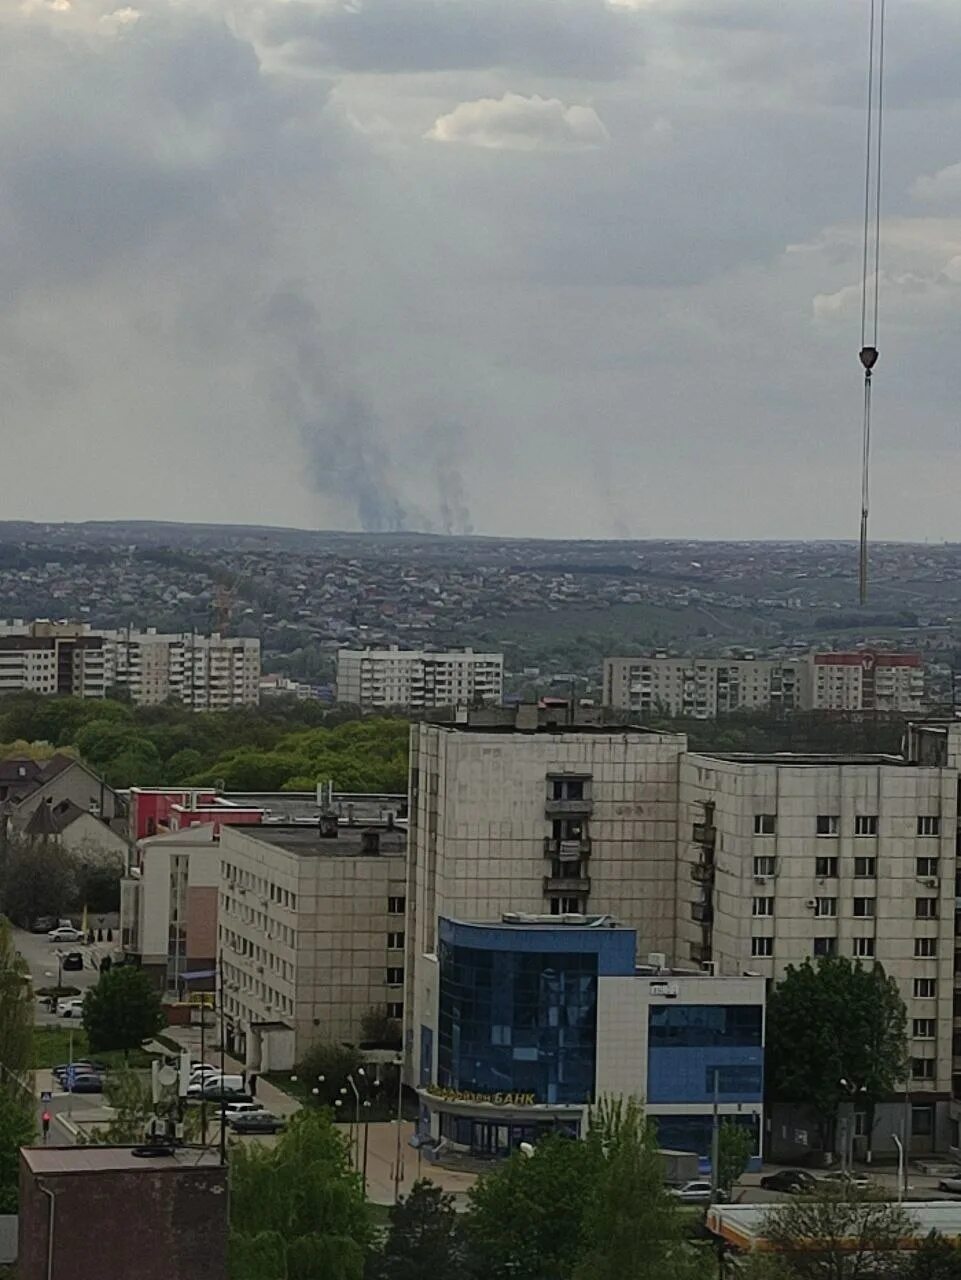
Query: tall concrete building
418, 679
704, 688
207, 673
728, 864
311, 934
700, 688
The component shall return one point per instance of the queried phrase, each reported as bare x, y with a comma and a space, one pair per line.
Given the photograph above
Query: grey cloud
580, 38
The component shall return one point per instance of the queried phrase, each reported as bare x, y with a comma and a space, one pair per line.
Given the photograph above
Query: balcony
569, 808
567, 850
567, 884
704, 834
702, 872
702, 912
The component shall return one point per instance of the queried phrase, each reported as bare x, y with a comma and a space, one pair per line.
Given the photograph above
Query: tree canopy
839, 1234
122, 1010
830, 1023
17, 1105
424, 1240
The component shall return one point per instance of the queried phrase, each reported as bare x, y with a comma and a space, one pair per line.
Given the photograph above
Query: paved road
41, 957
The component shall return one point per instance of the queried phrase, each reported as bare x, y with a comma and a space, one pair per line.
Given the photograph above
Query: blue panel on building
687, 1044
615, 948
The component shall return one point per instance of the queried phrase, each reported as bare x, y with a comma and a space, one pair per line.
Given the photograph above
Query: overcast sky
583, 268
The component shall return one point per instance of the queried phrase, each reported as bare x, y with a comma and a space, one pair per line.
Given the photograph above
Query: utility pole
400, 1105
715, 1138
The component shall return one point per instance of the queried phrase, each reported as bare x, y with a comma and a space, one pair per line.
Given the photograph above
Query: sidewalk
273, 1099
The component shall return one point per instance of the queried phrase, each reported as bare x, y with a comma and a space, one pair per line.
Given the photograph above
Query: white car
65, 933
70, 1008
696, 1192
240, 1108
857, 1181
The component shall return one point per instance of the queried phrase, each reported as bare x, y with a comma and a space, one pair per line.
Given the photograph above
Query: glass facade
693, 1133
691, 1044
518, 1021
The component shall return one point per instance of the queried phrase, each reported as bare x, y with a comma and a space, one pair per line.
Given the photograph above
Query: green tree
936, 1259
325, 1067
183, 764
122, 1010
525, 1218
735, 1146
424, 1238
16, 1052
297, 1210
98, 885
17, 1129
839, 1234
631, 1226
833, 1022
38, 880
377, 1027
130, 1094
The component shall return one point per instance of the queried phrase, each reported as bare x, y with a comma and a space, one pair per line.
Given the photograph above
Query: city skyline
403, 265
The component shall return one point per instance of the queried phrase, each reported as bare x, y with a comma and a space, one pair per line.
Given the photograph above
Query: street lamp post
852, 1090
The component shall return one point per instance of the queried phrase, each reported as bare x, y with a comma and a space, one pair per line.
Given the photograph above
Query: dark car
72, 961
43, 924
86, 1082
255, 1122
82, 1066
790, 1180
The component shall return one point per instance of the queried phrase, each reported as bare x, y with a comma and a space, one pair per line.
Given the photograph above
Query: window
865, 868
764, 866
733, 1080
929, 826
396, 906
923, 1028
395, 976
763, 907
925, 948
826, 867
762, 946
926, 866
395, 940
825, 946
925, 988
702, 1026
922, 1068
864, 906
828, 824
922, 1122
864, 948
765, 824
926, 908
565, 906
395, 1009
866, 824
826, 907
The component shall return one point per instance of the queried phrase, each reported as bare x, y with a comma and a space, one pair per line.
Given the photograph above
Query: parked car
853, 1180
83, 1065
790, 1180
240, 1108
71, 1008
255, 1122
214, 1086
696, 1192
73, 962
87, 1082
43, 924
950, 1184
65, 933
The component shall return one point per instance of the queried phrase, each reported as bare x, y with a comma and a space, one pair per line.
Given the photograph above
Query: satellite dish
168, 1075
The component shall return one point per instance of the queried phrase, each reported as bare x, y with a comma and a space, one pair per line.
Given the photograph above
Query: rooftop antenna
871, 270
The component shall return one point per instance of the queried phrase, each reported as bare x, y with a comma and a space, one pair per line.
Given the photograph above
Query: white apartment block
704, 688
203, 672
740, 864
418, 679
700, 688
311, 935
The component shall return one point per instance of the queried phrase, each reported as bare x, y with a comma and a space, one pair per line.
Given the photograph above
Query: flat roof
742, 1225
804, 758
307, 841
50, 1160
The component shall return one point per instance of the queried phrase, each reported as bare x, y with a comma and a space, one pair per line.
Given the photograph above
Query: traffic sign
45, 1095
70, 1078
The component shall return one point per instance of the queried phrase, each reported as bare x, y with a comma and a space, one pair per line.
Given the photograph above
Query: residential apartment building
865, 680
418, 679
204, 672
700, 688
521, 1025
729, 864
311, 934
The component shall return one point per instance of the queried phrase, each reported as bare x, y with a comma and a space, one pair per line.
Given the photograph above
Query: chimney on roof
328, 825
370, 842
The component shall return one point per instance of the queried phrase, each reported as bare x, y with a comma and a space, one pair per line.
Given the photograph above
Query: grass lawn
51, 1045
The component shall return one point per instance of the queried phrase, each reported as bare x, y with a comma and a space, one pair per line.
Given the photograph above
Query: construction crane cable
870, 296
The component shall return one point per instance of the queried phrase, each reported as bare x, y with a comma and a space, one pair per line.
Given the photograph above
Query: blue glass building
532, 1021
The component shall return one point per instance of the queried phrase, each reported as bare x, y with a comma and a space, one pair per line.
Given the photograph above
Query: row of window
861, 948
826, 868
829, 824
863, 908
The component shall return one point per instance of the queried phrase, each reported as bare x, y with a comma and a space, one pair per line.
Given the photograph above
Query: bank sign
492, 1099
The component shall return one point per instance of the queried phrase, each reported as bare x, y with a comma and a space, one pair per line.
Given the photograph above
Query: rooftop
307, 841
800, 759
50, 1160
743, 1224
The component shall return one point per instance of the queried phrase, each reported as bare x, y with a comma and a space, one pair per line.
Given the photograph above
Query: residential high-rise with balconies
418, 679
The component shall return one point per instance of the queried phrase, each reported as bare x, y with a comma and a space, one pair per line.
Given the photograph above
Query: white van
214, 1086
